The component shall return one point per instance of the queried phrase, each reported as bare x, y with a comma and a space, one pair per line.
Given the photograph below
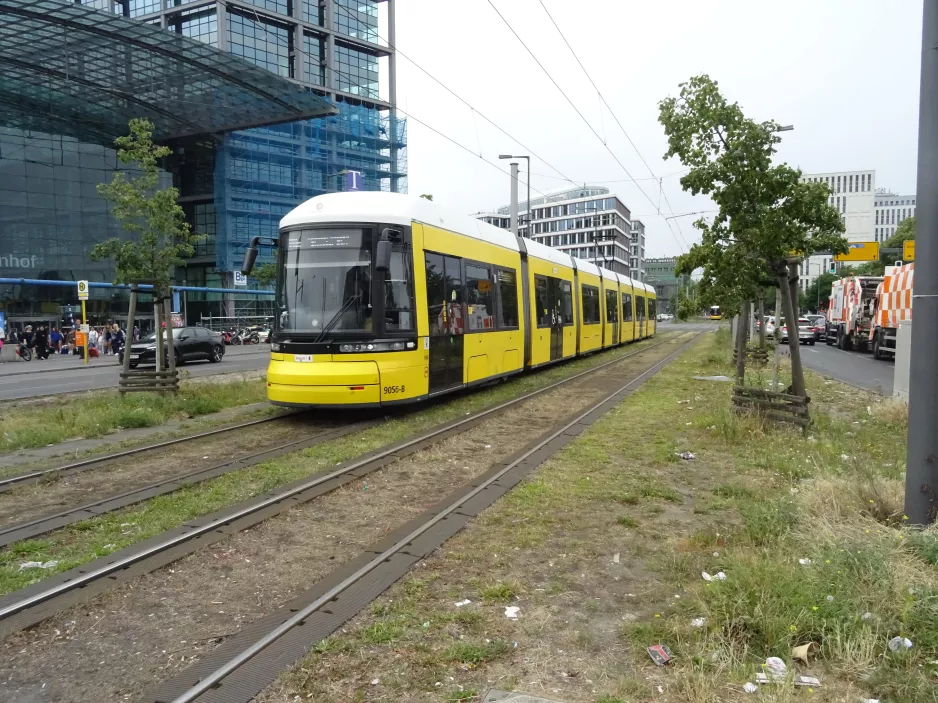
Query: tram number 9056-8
391, 390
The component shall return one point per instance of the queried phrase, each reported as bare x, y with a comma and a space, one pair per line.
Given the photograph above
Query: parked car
819, 322
805, 332
189, 344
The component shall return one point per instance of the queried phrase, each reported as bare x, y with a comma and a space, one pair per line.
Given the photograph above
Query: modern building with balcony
588, 223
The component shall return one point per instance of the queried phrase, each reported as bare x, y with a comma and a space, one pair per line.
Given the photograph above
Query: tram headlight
274, 346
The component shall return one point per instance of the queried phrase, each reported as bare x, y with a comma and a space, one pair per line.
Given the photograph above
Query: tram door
612, 314
640, 315
549, 294
447, 320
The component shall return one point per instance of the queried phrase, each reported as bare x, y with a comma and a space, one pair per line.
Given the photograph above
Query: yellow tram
385, 299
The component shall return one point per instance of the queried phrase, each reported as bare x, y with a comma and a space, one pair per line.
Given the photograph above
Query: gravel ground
126, 641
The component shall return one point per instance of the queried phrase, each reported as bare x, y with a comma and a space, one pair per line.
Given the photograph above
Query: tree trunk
777, 335
170, 345
158, 322
128, 343
797, 373
741, 346
762, 321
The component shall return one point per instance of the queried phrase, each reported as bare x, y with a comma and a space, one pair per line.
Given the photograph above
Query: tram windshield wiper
335, 318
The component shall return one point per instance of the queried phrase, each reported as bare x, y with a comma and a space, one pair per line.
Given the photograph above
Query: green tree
904, 232
161, 237
765, 210
265, 274
688, 302
426, 196
819, 290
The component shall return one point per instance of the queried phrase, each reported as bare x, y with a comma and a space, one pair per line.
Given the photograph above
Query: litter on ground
698, 622
38, 565
797, 680
897, 643
750, 687
660, 654
463, 602
686, 456
511, 612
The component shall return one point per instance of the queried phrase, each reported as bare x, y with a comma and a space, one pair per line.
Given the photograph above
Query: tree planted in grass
160, 236
766, 213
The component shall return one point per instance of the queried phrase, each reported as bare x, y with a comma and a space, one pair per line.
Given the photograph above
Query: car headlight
365, 347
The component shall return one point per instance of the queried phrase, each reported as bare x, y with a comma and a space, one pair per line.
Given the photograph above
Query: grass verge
94, 415
99, 536
603, 548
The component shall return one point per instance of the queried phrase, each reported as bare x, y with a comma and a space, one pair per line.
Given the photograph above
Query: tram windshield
324, 282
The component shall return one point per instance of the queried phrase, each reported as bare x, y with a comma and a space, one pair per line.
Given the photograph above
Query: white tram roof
402, 210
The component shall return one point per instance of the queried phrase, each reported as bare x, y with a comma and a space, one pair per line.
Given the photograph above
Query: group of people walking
43, 341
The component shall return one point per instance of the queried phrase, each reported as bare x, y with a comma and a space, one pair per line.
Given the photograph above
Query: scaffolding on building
261, 174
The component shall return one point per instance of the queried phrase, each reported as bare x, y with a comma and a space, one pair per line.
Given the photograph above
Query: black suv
189, 343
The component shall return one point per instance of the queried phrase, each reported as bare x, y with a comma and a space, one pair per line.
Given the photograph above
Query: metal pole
530, 214
921, 479
514, 198
84, 321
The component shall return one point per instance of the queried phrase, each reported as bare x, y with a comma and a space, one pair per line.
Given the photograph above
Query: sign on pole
240, 279
353, 180
83, 290
908, 250
860, 251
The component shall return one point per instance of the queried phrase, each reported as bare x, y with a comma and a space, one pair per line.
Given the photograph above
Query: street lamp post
530, 209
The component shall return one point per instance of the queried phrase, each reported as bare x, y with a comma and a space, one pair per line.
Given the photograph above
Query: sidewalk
12, 365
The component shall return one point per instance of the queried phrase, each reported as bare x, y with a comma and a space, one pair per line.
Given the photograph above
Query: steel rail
247, 654
87, 577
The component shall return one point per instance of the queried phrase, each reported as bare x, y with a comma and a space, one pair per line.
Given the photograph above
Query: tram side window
640, 307
626, 307
566, 299
480, 298
507, 299
612, 312
541, 301
399, 297
444, 295
590, 305
652, 309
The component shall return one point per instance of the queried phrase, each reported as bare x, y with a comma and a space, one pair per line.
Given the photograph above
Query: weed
662, 492
382, 632
627, 521
476, 653
500, 592
461, 694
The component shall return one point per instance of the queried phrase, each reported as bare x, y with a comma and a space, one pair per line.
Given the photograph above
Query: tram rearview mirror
250, 256
383, 255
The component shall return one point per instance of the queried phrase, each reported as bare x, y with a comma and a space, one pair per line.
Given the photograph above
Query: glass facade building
232, 186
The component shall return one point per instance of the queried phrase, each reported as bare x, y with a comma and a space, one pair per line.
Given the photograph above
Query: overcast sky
845, 73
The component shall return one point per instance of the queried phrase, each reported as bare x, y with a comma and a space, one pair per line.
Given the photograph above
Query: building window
357, 71
265, 44
280, 6
357, 18
315, 59
200, 24
311, 12
838, 184
144, 7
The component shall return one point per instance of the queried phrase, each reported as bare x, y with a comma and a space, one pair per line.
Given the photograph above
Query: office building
852, 194
239, 168
660, 274
891, 210
637, 251
588, 223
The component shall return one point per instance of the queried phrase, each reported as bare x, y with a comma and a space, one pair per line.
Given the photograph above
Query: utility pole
514, 198
921, 477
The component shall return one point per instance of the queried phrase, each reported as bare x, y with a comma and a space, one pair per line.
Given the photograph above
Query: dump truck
849, 314
892, 305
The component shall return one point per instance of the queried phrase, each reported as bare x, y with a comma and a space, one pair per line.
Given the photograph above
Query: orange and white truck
892, 305
849, 313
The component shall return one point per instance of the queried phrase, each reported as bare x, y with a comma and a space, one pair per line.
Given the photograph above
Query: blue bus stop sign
353, 180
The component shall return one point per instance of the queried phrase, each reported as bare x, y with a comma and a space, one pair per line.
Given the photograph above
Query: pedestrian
94, 339
117, 339
136, 333
55, 339
107, 339
41, 340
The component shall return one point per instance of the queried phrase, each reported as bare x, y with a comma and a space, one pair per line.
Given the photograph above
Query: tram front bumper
327, 383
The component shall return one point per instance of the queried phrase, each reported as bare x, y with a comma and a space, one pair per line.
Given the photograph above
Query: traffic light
833, 267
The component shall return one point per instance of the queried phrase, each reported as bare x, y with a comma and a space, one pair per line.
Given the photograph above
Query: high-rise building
234, 183
852, 195
588, 223
660, 274
637, 250
891, 210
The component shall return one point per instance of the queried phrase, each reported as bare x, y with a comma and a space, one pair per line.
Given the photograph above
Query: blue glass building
233, 185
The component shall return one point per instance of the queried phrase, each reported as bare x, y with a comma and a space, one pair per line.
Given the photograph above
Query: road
857, 369
67, 374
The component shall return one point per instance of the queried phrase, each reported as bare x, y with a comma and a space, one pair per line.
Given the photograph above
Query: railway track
244, 665
41, 600
50, 474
